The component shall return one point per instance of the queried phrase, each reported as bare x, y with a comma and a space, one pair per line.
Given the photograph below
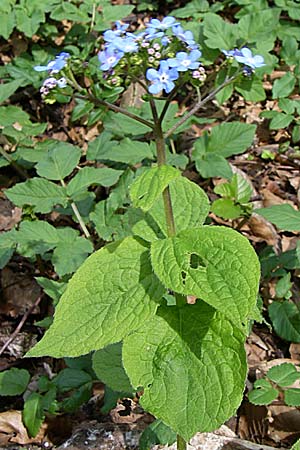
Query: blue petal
155, 88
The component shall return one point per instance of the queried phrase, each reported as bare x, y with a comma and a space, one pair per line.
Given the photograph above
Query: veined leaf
14, 381
59, 161
103, 176
41, 194
216, 264
33, 414
284, 216
113, 293
285, 318
192, 357
148, 186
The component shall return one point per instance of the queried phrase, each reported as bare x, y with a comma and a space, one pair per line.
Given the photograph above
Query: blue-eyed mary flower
162, 79
184, 61
245, 56
55, 65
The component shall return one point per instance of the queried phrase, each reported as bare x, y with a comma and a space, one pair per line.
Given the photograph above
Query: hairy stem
181, 443
199, 104
78, 216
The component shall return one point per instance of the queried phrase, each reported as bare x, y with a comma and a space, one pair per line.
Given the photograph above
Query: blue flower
109, 58
184, 61
232, 53
126, 45
162, 78
245, 56
185, 36
55, 65
156, 28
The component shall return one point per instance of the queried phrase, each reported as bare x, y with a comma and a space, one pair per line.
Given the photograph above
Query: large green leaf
59, 161
284, 86
7, 89
191, 364
283, 216
108, 366
148, 186
113, 293
41, 194
190, 208
231, 138
219, 34
216, 264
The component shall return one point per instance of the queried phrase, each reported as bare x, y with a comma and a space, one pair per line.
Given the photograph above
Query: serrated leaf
103, 176
284, 216
284, 374
281, 120
230, 139
285, 318
14, 381
126, 151
53, 288
108, 366
36, 237
147, 187
190, 208
156, 433
216, 264
59, 161
111, 295
292, 397
194, 358
42, 194
284, 86
33, 414
70, 252
263, 393
251, 89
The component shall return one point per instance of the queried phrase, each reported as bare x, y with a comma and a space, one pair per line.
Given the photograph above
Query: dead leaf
13, 430
263, 229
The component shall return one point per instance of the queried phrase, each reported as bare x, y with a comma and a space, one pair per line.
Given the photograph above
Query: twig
78, 215
22, 321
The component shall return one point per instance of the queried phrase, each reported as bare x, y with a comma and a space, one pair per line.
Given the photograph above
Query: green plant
277, 384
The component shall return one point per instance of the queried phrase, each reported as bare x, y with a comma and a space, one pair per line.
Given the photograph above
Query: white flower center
164, 78
186, 62
111, 59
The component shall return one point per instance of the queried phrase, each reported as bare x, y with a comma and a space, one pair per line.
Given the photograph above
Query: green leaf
11, 114
79, 397
213, 165
296, 446
284, 86
53, 288
226, 208
111, 295
219, 34
283, 286
92, 175
263, 393
126, 151
147, 187
251, 89
99, 146
230, 139
36, 237
238, 189
281, 120
156, 433
33, 414
192, 357
68, 379
41, 194
292, 397
70, 252
284, 216
7, 89
108, 366
14, 381
7, 247
216, 264
59, 162
190, 208
284, 375
285, 318
7, 23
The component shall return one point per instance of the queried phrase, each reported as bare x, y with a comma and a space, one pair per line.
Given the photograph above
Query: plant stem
115, 108
78, 216
181, 443
199, 104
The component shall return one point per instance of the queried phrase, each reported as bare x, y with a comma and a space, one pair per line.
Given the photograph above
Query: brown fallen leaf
263, 229
13, 430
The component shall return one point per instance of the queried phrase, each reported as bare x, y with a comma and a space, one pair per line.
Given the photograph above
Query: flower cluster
245, 56
53, 67
162, 53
